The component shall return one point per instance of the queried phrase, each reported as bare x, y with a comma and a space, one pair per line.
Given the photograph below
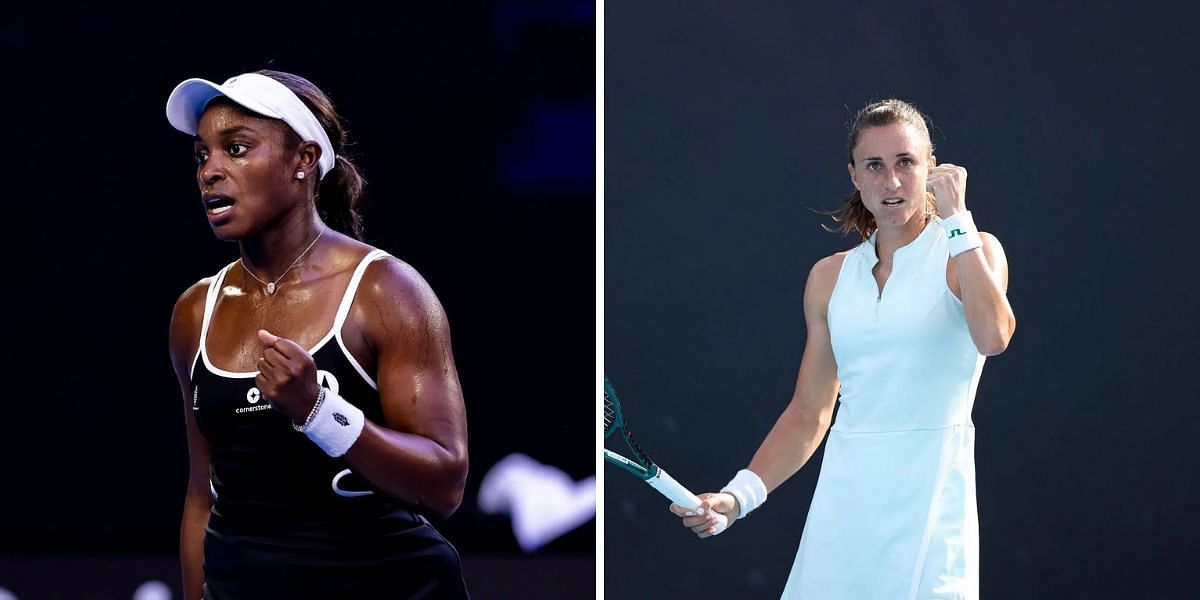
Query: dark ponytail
338, 197
339, 193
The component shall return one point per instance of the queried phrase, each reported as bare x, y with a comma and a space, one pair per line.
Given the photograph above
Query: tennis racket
640, 465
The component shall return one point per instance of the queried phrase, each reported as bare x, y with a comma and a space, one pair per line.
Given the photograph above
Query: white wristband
961, 234
336, 425
749, 490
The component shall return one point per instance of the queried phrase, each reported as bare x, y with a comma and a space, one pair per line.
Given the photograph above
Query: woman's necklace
271, 285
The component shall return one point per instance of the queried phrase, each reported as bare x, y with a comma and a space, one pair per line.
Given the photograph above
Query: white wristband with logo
336, 426
749, 490
961, 234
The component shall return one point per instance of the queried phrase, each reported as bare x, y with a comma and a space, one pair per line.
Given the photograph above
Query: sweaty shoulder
392, 288
186, 320
394, 279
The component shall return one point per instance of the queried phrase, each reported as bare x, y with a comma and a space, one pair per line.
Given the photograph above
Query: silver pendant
270, 288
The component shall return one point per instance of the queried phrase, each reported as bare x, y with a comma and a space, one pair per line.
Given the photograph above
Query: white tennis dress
894, 513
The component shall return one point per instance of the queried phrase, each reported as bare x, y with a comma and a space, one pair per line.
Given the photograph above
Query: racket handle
667, 486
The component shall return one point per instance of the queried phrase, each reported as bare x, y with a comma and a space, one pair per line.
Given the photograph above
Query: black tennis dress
287, 520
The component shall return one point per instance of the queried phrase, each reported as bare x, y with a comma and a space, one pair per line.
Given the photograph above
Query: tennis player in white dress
899, 326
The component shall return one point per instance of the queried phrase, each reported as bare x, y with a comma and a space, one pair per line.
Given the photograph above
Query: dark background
724, 126
475, 126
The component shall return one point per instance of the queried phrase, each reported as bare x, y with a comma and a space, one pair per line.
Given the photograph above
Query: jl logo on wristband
956, 232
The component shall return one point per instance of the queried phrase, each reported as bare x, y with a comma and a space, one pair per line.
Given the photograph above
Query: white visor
257, 93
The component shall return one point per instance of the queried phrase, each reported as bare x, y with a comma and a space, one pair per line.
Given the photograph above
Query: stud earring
299, 174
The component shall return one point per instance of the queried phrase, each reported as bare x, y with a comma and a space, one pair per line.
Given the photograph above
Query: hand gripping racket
641, 466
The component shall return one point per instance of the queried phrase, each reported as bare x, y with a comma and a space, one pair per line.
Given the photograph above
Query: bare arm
184, 340
799, 430
802, 426
980, 278
420, 453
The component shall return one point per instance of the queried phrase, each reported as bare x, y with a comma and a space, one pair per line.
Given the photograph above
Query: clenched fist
949, 185
287, 377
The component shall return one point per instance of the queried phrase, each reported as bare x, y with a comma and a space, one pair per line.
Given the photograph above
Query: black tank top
279, 501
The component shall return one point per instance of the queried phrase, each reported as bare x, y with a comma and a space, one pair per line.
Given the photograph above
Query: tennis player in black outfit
323, 408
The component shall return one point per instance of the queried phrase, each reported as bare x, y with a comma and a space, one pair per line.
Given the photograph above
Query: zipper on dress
879, 293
